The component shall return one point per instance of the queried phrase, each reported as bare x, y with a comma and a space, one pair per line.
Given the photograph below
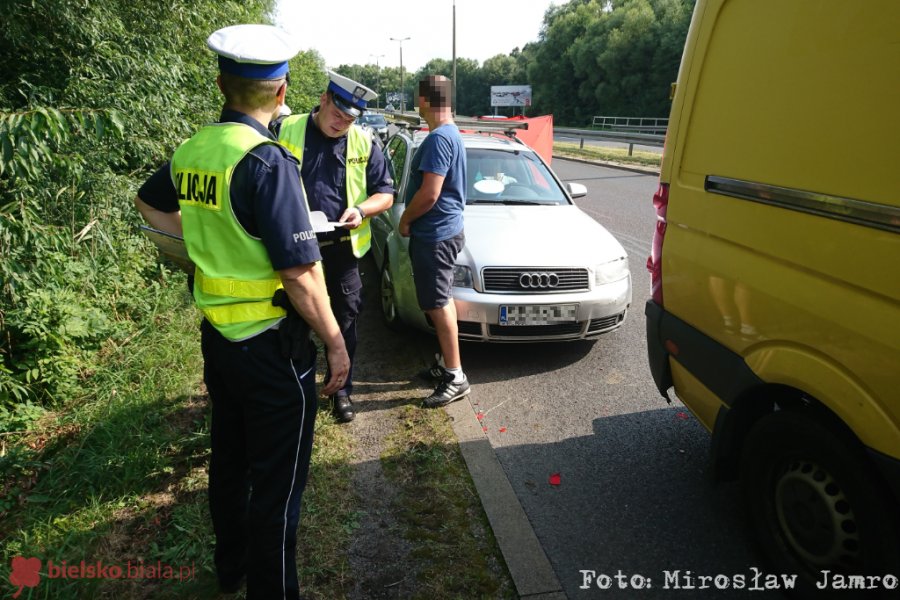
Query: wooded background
593, 57
95, 95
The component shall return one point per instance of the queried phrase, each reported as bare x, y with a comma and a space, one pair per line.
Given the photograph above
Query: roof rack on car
489, 124
408, 120
507, 128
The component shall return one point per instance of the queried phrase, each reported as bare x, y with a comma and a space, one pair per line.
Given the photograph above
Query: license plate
537, 314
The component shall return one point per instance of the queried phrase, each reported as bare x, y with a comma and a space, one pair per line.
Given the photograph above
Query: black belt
340, 240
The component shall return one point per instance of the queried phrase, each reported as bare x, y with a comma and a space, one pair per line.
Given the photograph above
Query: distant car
376, 122
535, 267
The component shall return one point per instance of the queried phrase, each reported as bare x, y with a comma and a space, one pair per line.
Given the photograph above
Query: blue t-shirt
442, 153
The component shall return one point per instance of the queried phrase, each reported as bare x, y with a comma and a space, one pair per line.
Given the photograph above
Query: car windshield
373, 120
510, 177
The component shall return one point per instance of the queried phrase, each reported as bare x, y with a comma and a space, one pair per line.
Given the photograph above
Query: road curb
612, 165
528, 565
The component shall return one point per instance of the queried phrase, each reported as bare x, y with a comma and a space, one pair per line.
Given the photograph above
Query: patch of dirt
379, 554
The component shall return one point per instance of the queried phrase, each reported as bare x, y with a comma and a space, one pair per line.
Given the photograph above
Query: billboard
394, 98
510, 95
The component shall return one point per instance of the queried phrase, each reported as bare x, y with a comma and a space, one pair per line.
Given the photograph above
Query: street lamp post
378, 78
453, 94
401, 40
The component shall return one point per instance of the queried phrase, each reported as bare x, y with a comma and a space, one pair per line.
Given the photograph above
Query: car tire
815, 504
389, 310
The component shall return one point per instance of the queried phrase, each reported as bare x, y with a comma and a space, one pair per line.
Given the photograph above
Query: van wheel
389, 310
814, 504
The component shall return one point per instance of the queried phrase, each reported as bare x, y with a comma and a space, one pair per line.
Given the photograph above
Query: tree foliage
93, 97
308, 81
593, 57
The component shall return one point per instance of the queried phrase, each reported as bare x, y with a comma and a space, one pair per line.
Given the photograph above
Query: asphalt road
633, 497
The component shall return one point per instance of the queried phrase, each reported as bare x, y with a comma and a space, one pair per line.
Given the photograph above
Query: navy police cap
349, 96
253, 51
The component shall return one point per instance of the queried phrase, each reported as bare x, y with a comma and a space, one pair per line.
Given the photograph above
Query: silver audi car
535, 267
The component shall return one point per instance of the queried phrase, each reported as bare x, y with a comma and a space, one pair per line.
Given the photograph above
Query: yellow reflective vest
234, 280
359, 146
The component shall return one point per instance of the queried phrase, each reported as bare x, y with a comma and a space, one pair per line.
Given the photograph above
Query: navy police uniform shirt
324, 174
265, 197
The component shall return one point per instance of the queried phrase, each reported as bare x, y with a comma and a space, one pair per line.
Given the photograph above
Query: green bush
94, 96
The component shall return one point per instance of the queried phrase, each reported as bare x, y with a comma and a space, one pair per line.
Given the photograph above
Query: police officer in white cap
236, 196
347, 178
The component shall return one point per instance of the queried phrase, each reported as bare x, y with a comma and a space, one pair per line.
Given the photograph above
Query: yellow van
775, 270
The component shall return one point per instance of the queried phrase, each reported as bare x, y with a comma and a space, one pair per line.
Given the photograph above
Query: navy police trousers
345, 291
263, 413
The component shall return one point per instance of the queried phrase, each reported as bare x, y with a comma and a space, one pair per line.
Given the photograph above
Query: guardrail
630, 138
655, 125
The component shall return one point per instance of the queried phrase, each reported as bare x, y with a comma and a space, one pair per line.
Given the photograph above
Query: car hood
536, 236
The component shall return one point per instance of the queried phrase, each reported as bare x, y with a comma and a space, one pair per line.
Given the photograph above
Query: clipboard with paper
171, 246
320, 222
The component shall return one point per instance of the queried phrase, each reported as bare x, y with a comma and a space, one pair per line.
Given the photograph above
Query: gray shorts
432, 266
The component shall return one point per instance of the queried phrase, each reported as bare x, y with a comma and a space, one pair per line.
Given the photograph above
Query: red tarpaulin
539, 134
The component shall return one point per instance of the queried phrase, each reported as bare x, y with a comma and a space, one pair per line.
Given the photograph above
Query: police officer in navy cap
235, 195
347, 178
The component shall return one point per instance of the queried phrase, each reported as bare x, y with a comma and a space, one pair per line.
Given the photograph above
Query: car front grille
540, 280
535, 330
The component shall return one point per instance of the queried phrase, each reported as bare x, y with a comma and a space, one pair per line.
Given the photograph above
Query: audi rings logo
538, 280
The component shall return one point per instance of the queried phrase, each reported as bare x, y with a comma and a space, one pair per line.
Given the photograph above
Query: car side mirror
576, 190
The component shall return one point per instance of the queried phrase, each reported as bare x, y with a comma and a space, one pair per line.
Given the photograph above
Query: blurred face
332, 121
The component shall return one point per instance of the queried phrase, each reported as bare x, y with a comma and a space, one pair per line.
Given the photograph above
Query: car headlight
611, 271
462, 276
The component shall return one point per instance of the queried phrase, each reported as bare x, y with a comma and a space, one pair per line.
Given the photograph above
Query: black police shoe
342, 409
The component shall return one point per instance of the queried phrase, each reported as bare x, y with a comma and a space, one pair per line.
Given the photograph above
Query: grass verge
439, 509
119, 478
615, 155
330, 513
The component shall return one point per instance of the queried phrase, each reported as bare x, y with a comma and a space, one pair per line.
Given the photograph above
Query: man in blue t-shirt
433, 220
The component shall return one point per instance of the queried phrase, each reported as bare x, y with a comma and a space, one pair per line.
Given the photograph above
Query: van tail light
654, 261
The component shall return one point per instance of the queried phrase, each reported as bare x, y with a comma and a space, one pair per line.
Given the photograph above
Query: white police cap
349, 96
253, 51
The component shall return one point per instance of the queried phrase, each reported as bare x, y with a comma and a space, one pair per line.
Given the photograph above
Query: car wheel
389, 309
813, 503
